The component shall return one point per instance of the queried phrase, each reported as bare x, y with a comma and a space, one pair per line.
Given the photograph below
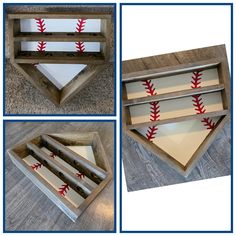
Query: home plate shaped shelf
175, 104
59, 53
70, 168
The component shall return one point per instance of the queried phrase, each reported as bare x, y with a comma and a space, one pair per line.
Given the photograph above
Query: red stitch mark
79, 28
36, 166
154, 109
63, 189
52, 155
80, 175
197, 100
41, 28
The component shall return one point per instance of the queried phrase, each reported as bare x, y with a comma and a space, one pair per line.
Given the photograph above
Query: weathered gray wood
57, 168
27, 208
170, 70
173, 95
60, 57
58, 15
91, 170
59, 37
178, 119
172, 64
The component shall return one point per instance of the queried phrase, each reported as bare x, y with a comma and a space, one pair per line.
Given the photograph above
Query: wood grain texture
60, 57
144, 170
27, 208
59, 37
173, 95
58, 15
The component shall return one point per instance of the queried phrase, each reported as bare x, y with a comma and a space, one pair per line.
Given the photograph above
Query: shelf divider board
57, 168
59, 15
173, 95
170, 70
178, 119
60, 57
60, 37
87, 167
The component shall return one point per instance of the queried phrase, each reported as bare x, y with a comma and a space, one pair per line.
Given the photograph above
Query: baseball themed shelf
59, 53
175, 104
70, 168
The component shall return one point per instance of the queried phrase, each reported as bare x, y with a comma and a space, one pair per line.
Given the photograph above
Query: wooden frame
173, 64
24, 61
99, 174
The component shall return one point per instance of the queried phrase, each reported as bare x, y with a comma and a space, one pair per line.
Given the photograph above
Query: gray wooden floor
27, 208
144, 170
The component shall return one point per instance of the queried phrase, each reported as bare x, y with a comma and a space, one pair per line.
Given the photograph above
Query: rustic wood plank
170, 70
173, 95
178, 119
58, 15
15, 47
205, 145
106, 30
91, 170
39, 80
81, 187
80, 81
60, 57
173, 59
59, 37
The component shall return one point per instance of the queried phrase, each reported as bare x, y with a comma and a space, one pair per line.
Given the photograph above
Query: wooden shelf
52, 166
178, 119
59, 37
26, 61
58, 15
173, 95
170, 70
189, 88
60, 57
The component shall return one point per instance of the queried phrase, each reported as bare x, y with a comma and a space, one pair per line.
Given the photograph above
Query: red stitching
41, 24
41, 28
80, 175
36, 166
154, 110
63, 189
80, 27
53, 155
197, 100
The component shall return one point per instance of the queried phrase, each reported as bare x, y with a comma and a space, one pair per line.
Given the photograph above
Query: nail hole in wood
60, 174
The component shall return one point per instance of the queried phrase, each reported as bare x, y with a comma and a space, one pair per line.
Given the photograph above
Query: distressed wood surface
144, 170
27, 208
